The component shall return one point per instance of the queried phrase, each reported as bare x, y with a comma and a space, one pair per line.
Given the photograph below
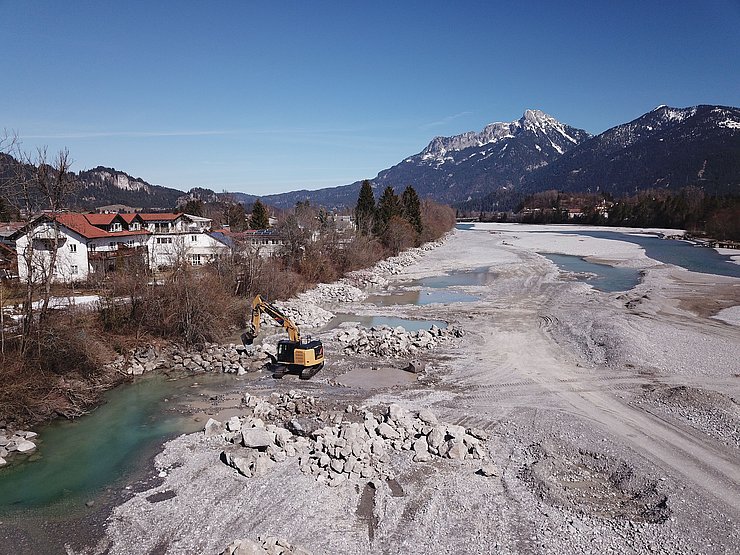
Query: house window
72, 247
194, 238
195, 259
74, 269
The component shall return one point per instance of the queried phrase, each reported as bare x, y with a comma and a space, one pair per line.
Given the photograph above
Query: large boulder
256, 438
213, 428
24, 446
244, 547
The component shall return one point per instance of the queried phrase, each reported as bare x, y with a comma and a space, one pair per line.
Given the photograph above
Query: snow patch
729, 124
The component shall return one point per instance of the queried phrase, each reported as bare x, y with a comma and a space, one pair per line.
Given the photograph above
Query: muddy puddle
376, 378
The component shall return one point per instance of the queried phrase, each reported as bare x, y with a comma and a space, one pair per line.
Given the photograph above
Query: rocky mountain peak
534, 122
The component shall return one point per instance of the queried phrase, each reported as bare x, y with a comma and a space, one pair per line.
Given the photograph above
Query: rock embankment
12, 443
341, 447
303, 313
392, 342
212, 357
374, 277
338, 292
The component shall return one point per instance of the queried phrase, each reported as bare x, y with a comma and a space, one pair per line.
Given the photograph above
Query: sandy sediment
611, 421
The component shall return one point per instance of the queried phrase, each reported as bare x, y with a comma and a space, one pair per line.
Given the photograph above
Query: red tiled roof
129, 217
11, 226
160, 217
80, 224
100, 219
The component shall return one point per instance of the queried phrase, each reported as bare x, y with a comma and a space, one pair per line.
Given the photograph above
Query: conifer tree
412, 208
365, 209
389, 205
260, 218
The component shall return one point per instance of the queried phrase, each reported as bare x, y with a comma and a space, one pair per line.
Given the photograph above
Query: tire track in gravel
518, 362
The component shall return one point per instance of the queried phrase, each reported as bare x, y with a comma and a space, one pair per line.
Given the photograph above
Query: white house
179, 237
266, 242
83, 248
100, 243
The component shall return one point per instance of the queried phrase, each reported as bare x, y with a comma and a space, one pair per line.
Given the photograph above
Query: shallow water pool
600, 276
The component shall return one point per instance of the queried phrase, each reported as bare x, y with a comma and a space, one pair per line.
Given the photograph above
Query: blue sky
270, 97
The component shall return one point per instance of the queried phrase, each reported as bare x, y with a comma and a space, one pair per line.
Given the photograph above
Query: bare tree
31, 182
55, 182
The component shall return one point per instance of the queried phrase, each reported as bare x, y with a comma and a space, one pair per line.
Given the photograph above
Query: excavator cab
294, 355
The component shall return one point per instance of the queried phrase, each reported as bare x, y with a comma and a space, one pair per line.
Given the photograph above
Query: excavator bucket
247, 338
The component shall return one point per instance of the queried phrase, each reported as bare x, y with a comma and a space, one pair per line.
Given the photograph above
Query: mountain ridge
492, 168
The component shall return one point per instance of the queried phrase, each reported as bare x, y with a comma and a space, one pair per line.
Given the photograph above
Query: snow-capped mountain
667, 147
535, 122
494, 168
472, 164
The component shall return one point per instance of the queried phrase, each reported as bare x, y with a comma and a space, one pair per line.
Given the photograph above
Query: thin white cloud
444, 120
129, 134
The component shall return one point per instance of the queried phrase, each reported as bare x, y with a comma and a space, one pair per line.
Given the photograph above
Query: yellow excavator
294, 355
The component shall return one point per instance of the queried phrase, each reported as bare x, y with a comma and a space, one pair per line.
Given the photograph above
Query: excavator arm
258, 307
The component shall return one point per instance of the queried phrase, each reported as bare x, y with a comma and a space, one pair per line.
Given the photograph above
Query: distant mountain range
665, 148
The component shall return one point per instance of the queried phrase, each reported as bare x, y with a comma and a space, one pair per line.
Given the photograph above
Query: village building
96, 244
84, 247
178, 237
265, 242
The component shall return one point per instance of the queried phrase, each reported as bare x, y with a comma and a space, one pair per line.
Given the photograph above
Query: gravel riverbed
548, 417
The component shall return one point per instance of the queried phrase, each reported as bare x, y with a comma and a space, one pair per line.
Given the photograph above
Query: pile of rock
15, 442
341, 291
355, 445
302, 313
212, 357
229, 358
367, 278
392, 342
269, 545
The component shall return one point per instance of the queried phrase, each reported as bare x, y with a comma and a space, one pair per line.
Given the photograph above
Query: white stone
427, 416
24, 446
457, 451
213, 428
233, 424
387, 431
256, 438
